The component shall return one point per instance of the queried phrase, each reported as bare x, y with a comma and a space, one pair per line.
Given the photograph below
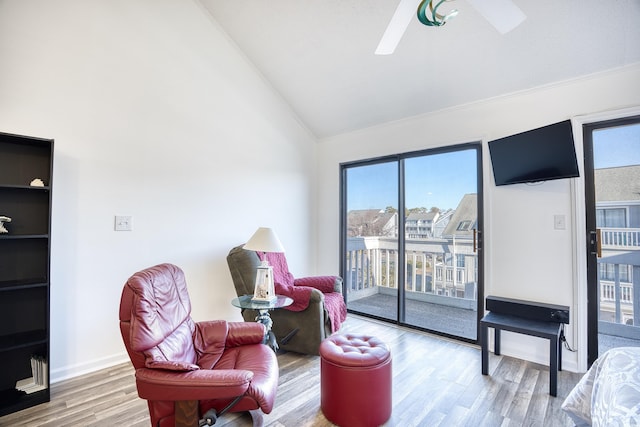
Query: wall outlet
123, 223
559, 222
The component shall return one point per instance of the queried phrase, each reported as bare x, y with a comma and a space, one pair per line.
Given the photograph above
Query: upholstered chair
191, 372
318, 308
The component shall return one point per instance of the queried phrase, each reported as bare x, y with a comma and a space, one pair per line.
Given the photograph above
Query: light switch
123, 223
559, 222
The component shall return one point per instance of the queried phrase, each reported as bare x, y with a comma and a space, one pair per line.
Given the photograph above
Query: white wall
520, 239
155, 115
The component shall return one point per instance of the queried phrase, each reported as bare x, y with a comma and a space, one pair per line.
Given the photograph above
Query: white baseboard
71, 371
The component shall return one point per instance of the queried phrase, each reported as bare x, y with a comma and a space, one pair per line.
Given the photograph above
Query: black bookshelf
25, 254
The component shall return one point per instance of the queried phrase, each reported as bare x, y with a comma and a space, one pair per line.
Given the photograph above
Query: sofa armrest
316, 297
171, 365
203, 384
244, 333
220, 334
324, 284
337, 286
211, 338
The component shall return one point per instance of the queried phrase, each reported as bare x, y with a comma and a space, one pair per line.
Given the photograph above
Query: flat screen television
540, 154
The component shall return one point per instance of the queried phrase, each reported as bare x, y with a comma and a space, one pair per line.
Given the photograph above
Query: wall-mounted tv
537, 155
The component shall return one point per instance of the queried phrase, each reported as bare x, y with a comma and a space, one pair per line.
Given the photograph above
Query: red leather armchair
191, 372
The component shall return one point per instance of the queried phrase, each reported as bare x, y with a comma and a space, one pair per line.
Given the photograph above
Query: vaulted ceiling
319, 54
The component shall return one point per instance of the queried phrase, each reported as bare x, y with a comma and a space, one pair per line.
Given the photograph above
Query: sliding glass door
370, 256
410, 235
612, 173
441, 194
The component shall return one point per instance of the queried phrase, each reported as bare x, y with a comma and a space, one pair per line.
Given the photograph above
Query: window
608, 272
611, 218
463, 225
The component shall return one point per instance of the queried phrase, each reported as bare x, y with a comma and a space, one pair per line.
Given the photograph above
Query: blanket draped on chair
299, 290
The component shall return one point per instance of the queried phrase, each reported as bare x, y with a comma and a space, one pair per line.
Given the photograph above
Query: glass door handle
475, 240
595, 242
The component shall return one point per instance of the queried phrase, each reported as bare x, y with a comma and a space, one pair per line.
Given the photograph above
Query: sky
436, 180
617, 146
442, 179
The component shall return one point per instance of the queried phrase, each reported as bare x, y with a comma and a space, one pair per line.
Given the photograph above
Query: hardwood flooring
436, 382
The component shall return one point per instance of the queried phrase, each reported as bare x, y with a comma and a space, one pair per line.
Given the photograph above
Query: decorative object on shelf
264, 240
37, 183
39, 379
4, 219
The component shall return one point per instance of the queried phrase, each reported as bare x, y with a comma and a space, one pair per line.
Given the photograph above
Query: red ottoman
355, 380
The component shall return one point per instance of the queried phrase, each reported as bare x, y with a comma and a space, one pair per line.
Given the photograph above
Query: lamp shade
264, 240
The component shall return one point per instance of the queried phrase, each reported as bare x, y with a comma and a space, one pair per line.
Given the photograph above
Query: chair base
186, 413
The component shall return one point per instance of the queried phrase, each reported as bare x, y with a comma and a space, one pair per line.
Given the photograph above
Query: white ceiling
318, 54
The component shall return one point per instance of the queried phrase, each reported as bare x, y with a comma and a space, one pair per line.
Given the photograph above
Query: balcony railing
371, 266
620, 238
619, 304
372, 262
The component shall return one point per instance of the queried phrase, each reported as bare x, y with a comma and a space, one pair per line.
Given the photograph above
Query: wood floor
436, 382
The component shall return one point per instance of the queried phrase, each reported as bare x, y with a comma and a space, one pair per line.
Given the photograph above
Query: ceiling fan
504, 15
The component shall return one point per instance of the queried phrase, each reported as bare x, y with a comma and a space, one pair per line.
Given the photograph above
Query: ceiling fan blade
504, 15
406, 10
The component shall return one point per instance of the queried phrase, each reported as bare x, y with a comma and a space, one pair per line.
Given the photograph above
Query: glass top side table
263, 313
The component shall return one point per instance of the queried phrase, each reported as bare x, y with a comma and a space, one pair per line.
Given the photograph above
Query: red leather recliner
191, 372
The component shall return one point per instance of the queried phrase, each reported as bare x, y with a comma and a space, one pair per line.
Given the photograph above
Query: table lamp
264, 240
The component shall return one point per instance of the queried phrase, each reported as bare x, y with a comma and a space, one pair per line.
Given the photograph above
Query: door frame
581, 321
478, 146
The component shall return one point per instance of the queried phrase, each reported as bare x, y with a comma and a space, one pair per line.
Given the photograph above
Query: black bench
549, 330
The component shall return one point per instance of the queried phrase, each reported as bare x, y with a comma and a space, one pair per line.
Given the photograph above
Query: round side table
263, 313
